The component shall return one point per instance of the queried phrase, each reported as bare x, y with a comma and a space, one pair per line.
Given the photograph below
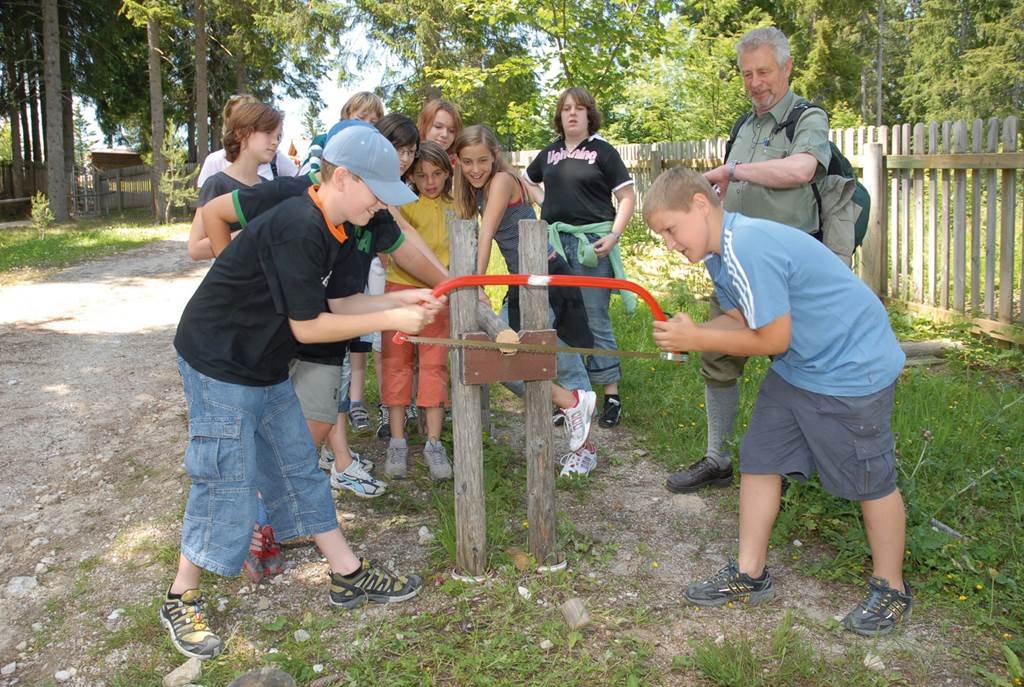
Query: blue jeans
244, 439
570, 371
602, 369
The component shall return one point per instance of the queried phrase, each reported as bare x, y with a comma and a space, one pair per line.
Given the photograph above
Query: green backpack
838, 166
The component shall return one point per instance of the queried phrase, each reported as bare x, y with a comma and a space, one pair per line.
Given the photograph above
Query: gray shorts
316, 386
847, 440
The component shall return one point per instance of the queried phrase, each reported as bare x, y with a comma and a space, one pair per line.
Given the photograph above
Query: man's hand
603, 246
677, 334
415, 297
719, 176
410, 319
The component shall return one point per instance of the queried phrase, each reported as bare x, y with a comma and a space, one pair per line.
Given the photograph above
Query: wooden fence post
873, 252
540, 475
1008, 196
120, 193
467, 436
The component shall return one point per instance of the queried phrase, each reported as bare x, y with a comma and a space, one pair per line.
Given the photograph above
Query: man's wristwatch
733, 164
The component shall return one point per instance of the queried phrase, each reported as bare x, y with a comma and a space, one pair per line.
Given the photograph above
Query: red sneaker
271, 556
253, 565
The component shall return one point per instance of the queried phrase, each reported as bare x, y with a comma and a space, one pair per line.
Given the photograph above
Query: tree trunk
13, 113
238, 64
66, 95
33, 116
56, 179
156, 114
202, 86
26, 135
878, 63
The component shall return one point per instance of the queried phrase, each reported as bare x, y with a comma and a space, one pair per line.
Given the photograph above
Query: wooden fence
945, 237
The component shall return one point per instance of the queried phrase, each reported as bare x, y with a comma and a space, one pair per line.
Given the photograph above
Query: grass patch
786, 658
24, 254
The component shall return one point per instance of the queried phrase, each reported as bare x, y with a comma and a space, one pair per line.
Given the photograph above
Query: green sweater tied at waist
585, 254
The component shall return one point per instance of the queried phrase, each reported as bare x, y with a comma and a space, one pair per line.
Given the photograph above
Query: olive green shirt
756, 143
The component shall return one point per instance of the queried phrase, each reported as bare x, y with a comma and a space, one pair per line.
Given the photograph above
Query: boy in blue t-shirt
826, 403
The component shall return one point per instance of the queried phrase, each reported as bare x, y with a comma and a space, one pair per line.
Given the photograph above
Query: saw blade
541, 348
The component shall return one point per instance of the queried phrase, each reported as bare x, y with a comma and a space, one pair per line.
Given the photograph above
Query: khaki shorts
719, 369
847, 440
316, 386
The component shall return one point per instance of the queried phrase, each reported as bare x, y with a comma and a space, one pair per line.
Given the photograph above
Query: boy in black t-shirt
246, 430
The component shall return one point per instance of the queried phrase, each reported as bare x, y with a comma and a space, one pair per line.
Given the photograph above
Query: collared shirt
841, 343
755, 142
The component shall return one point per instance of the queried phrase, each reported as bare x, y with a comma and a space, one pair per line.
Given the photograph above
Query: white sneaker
580, 462
577, 418
327, 459
358, 481
437, 461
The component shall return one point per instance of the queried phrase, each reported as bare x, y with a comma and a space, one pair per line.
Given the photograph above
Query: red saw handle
543, 280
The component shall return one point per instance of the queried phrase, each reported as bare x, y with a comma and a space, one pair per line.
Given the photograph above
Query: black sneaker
704, 473
187, 621
611, 413
881, 610
371, 582
384, 426
729, 584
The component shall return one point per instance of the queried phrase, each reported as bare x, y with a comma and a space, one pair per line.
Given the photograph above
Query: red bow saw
544, 280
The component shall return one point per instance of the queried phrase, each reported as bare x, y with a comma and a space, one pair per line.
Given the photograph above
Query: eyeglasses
407, 152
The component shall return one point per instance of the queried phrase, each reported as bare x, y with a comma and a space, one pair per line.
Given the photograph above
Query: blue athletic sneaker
358, 481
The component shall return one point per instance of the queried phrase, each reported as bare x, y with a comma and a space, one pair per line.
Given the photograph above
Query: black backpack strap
790, 122
735, 130
273, 166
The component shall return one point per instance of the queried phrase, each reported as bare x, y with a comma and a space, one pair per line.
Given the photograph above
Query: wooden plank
933, 214
872, 253
905, 216
1004, 160
1013, 333
1007, 241
918, 227
990, 224
976, 146
540, 468
467, 433
959, 220
944, 223
894, 220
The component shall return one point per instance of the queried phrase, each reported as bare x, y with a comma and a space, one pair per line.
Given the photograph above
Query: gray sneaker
881, 610
396, 465
437, 460
729, 585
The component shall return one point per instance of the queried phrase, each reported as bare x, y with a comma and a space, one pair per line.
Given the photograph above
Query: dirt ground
92, 432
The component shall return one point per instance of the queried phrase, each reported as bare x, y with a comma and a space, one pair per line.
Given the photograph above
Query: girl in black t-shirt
251, 138
581, 172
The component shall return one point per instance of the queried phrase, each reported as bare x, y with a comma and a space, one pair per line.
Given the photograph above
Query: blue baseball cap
363, 151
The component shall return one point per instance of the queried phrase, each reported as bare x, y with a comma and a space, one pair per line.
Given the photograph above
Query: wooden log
920, 349
873, 251
540, 469
467, 434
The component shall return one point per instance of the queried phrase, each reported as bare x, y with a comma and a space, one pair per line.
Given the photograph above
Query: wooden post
120, 192
873, 252
959, 221
467, 438
540, 475
1009, 213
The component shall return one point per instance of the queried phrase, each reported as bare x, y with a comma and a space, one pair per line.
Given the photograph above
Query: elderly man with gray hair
767, 175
